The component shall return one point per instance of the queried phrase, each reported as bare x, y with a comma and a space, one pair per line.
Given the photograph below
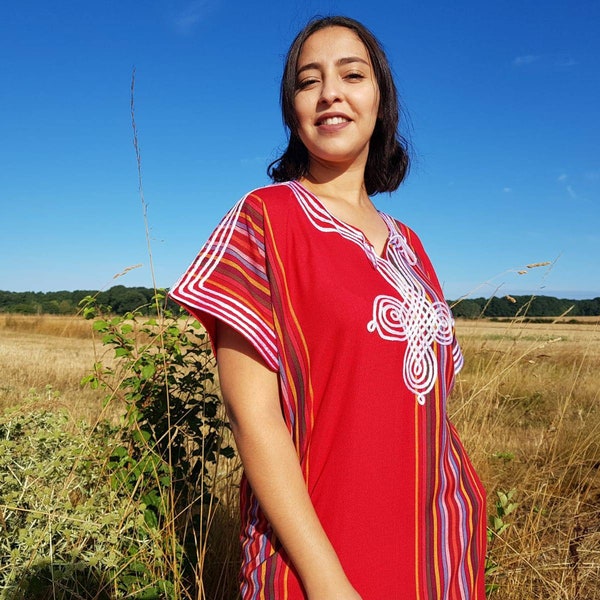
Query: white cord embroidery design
411, 318
419, 323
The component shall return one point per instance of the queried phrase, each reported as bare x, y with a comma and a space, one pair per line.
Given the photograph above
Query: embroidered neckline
355, 232
416, 316
324, 220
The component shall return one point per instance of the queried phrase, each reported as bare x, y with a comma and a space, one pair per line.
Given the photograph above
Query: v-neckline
369, 247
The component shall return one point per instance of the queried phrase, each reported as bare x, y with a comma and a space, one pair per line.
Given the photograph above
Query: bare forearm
272, 468
251, 395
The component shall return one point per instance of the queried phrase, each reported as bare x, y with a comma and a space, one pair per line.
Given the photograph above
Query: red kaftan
365, 351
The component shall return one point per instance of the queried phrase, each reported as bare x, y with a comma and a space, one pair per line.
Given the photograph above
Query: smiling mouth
333, 121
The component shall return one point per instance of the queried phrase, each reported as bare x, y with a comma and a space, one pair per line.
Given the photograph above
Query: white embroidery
419, 323
398, 242
411, 317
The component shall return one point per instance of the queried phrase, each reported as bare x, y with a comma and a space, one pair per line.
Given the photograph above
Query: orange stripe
436, 515
263, 578
304, 346
417, 504
255, 282
255, 226
286, 572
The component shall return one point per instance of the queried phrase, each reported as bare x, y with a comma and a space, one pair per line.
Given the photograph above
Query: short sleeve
229, 280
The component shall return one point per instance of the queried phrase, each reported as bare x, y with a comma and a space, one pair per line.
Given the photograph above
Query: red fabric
366, 357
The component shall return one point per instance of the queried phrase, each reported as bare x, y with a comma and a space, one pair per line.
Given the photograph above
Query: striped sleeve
457, 356
228, 280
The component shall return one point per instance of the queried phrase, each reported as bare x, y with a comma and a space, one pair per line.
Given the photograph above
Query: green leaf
150, 518
227, 452
100, 325
90, 380
148, 371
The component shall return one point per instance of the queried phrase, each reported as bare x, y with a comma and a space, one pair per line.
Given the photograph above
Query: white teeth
333, 121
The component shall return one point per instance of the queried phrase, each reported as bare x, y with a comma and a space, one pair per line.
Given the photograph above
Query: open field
49, 354
527, 406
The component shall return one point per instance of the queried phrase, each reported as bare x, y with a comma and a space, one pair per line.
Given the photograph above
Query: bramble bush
65, 531
128, 511
175, 453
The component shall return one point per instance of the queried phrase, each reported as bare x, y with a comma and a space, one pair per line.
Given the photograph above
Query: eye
305, 83
355, 76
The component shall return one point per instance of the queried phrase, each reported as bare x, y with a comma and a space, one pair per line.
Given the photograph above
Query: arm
251, 395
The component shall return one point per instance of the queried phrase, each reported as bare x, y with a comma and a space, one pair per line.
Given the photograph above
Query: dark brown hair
388, 160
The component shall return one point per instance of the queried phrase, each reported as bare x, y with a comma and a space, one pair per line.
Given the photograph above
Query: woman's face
337, 97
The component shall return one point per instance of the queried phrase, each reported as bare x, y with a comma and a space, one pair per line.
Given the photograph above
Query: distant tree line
119, 299
123, 299
525, 306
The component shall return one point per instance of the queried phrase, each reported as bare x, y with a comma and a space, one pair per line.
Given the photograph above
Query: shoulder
272, 196
268, 208
409, 244
408, 236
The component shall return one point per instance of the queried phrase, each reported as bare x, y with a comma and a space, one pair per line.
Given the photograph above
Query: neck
331, 181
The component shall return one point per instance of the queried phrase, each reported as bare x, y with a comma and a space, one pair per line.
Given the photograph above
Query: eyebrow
340, 62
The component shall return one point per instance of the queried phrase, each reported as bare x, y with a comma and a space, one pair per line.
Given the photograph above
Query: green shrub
110, 512
174, 455
66, 532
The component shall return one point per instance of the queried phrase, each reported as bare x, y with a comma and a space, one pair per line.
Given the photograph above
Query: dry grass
49, 354
527, 406
52, 325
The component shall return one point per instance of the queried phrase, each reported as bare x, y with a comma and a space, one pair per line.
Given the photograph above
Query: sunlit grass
527, 407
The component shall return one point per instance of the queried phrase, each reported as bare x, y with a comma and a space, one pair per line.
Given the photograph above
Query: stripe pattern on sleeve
228, 280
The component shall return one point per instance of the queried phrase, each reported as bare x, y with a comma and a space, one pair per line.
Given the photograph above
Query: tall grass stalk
138, 158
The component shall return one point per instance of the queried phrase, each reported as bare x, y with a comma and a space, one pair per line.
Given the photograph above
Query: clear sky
503, 99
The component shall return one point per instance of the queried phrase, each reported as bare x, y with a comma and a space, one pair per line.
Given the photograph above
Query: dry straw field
48, 353
526, 403
527, 406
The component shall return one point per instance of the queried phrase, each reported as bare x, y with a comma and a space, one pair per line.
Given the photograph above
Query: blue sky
503, 102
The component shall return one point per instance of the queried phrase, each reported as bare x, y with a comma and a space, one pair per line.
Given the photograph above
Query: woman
336, 354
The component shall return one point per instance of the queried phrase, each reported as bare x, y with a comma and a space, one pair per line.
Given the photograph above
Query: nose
330, 90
